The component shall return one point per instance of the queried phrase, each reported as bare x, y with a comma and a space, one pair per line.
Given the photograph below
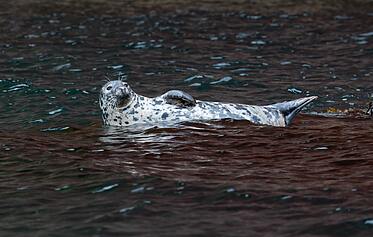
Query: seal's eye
109, 88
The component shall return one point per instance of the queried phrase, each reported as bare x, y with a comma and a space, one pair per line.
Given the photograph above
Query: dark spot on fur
158, 102
164, 115
126, 122
277, 116
240, 107
256, 119
268, 114
214, 107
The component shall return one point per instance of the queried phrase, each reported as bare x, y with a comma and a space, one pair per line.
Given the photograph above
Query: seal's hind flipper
180, 98
291, 108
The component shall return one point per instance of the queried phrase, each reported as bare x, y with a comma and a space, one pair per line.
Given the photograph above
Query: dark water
63, 174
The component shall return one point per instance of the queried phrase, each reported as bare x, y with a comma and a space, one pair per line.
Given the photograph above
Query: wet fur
145, 110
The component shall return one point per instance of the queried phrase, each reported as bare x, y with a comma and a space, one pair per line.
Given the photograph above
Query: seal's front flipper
291, 108
180, 98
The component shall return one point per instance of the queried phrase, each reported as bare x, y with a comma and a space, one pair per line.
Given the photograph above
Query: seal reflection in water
121, 106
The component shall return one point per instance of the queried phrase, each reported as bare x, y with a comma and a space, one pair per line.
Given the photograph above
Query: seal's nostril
120, 91
125, 89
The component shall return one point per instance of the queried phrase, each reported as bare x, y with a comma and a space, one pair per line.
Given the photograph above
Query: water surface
64, 174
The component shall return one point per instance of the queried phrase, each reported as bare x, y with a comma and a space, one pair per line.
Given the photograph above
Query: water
63, 174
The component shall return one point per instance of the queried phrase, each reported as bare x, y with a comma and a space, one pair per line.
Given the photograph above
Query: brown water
63, 174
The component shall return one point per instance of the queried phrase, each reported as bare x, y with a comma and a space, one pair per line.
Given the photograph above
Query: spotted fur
121, 106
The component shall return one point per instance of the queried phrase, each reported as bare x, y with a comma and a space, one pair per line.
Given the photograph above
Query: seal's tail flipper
291, 108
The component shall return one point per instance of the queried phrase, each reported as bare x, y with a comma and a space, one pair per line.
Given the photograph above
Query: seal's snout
120, 91
117, 88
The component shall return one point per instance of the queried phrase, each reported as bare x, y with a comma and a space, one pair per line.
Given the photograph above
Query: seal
121, 106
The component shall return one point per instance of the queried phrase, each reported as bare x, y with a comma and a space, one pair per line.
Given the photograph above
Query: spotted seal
121, 106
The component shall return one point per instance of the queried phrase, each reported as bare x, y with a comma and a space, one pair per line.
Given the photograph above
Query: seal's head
115, 95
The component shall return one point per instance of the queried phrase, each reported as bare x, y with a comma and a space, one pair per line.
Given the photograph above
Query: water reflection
136, 134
